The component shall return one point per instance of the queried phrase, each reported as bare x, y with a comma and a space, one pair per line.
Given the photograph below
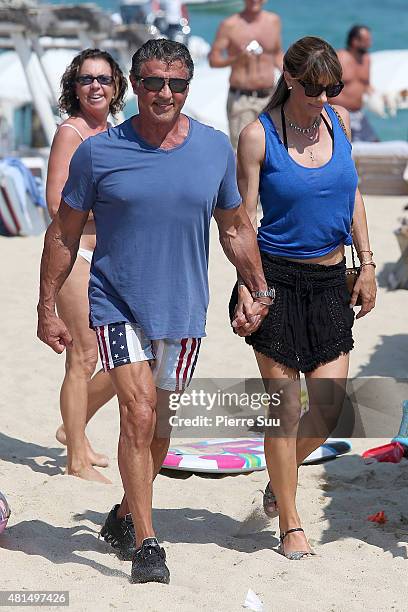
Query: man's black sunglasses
153, 83
88, 79
313, 91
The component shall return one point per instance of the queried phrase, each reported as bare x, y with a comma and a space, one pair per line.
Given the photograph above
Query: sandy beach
218, 542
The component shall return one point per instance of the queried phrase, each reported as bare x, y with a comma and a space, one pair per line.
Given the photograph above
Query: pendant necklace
309, 132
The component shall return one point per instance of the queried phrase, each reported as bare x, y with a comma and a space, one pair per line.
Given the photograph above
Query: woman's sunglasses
153, 83
313, 91
88, 79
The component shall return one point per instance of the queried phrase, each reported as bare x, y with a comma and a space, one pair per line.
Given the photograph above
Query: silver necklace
309, 132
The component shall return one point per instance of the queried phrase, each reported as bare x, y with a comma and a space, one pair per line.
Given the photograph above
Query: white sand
51, 542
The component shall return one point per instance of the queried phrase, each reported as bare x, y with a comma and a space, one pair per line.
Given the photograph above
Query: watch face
269, 293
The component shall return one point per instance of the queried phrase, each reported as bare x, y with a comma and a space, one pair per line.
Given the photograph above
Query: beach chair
9, 225
382, 167
19, 215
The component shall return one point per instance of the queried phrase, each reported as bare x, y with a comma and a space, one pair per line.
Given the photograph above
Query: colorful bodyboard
241, 455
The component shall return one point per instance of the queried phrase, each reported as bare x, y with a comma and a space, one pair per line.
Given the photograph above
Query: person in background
355, 63
93, 86
297, 157
173, 13
249, 42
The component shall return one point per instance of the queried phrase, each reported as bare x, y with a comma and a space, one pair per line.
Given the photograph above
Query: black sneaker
120, 534
149, 563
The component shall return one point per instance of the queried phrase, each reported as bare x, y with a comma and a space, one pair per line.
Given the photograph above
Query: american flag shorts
172, 361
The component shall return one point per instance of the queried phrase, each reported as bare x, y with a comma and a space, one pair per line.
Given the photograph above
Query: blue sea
388, 20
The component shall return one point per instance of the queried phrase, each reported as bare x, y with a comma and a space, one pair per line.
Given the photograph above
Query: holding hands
249, 312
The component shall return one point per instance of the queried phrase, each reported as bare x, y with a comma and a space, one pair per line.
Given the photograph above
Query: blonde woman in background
93, 87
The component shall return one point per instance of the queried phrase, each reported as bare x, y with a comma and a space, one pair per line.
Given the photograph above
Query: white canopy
207, 99
13, 84
209, 88
389, 71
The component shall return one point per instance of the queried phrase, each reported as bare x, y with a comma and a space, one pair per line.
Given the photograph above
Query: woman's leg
326, 387
325, 403
100, 391
280, 452
81, 359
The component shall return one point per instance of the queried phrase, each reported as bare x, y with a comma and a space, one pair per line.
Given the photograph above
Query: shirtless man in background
355, 61
249, 42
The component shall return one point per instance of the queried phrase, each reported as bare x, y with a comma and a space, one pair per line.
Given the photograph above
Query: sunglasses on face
88, 79
313, 91
153, 83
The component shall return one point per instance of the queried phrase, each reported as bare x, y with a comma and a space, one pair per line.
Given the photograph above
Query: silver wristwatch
270, 293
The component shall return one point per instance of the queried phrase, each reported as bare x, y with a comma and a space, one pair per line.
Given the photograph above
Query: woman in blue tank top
297, 158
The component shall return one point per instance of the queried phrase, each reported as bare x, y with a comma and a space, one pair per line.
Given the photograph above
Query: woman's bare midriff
88, 238
331, 259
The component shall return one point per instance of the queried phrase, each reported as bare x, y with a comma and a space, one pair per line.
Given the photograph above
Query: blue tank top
307, 212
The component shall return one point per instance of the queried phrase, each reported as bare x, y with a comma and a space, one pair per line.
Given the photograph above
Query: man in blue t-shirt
153, 184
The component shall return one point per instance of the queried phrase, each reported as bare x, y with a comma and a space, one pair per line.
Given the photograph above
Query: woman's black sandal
295, 555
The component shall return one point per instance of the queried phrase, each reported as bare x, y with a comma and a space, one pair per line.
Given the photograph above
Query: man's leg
241, 111
160, 443
258, 106
172, 366
136, 393
367, 131
240, 114
172, 370
118, 529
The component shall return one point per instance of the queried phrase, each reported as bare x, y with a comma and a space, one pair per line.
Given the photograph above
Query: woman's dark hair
68, 101
309, 59
167, 51
354, 32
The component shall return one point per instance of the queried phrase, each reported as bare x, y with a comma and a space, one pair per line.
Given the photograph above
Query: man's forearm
56, 263
221, 61
241, 248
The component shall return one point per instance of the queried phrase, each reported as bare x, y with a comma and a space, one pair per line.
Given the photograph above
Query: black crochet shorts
310, 321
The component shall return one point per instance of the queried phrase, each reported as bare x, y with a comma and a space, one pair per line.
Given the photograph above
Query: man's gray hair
167, 51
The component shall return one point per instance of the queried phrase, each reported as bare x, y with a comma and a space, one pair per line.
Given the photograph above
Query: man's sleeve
79, 191
228, 194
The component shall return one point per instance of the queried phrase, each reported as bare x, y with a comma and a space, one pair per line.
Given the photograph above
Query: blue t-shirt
152, 210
